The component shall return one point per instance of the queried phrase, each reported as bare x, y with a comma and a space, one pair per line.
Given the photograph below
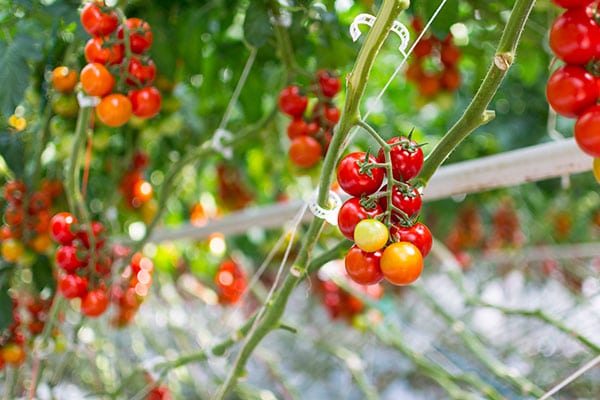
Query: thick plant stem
356, 84
476, 114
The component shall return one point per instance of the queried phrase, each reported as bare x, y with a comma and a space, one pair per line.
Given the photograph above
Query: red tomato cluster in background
12, 341
26, 218
310, 135
129, 292
231, 191
231, 282
434, 67
109, 54
136, 190
393, 252
573, 89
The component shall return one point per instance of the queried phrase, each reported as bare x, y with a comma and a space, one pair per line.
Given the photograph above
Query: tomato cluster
136, 190
231, 191
84, 262
389, 243
12, 340
573, 89
310, 135
434, 67
231, 282
109, 54
26, 218
129, 292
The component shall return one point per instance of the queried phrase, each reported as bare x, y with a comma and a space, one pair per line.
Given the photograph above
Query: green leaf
13, 152
42, 274
6, 315
446, 17
15, 70
257, 25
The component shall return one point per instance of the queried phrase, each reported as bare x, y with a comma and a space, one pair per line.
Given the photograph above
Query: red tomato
97, 20
305, 151
15, 191
406, 157
72, 286
96, 80
351, 213
332, 114
140, 35
98, 51
140, 73
64, 79
114, 110
142, 190
99, 233
145, 102
297, 127
355, 183
94, 303
575, 37
328, 83
292, 102
449, 54
401, 263
587, 131
570, 90
450, 79
410, 203
68, 259
572, 3
363, 267
423, 48
62, 227
418, 234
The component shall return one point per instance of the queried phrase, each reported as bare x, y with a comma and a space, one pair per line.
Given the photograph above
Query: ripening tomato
140, 35
596, 167
98, 51
64, 79
141, 73
72, 286
418, 234
297, 127
68, 259
351, 213
145, 102
94, 303
96, 80
401, 263
65, 105
15, 191
292, 101
355, 183
62, 227
142, 190
587, 131
98, 20
575, 37
406, 156
371, 235
570, 90
363, 267
12, 250
305, 151
428, 84
572, 3
409, 202
329, 83
114, 110
13, 354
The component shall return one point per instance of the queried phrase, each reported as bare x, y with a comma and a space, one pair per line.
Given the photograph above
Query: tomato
355, 183
159, 393
371, 235
72, 286
114, 110
98, 51
572, 3
65, 105
570, 90
96, 80
596, 167
68, 259
428, 84
449, 54
401, 263
97, 20
587, 131
40, 243
142, 190
145, 102
418, 234
13, 354
99, 233
351, 213
94, 303
62, 227
406, 156
575, 37
140, 35
292, 102
410, 203
450, 79
305, 151
15, 191
332, 114
328, 83
423, 48
297, 127
140, 160
13, 215
414, 72
363, 267
64, 79
12, 250
140, 73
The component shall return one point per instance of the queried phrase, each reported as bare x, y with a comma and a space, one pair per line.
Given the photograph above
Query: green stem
476, 114
284, 44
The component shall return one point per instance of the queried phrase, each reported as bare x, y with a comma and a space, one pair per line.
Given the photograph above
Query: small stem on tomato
373, 133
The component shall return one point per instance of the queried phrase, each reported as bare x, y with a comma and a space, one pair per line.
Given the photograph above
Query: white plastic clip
217, 142
368, 19
331, 214
87, 101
